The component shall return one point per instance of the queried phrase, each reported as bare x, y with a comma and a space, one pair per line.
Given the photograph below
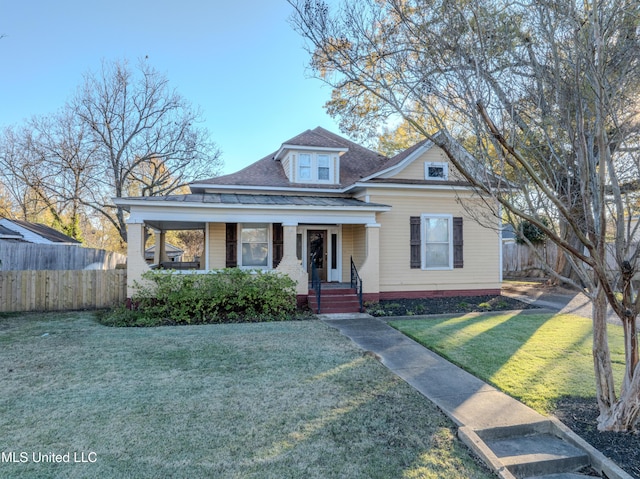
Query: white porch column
370, 269
290, 264
136, 265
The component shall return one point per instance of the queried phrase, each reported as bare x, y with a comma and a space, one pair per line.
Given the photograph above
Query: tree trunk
605, 387
624, 414
563, 267
619, 415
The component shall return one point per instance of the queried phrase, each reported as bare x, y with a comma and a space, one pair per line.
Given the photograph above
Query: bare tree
145, 137
545, 99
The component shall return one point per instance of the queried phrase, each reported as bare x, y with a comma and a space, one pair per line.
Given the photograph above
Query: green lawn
536, 358
270, 400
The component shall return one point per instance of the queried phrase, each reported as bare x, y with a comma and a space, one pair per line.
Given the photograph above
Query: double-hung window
255, 245
437, 244
304, 167
323, 168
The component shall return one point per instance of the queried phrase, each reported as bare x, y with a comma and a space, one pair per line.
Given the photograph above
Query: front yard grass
537, 358
267, 400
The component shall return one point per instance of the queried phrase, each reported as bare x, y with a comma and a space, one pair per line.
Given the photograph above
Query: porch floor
333, 285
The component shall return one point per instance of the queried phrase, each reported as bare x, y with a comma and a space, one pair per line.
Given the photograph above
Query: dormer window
436, 171
304, 167
324, 168
312, 167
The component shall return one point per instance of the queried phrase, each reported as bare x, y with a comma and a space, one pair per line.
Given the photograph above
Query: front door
317, 252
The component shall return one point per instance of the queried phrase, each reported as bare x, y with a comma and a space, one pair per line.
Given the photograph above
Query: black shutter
415, 242
458, 261
232, 245
278, 244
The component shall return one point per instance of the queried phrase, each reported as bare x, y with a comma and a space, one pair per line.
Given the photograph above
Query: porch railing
356, 283
316, 285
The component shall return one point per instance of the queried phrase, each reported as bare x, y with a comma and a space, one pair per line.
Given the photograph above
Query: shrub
229, 295
528, 230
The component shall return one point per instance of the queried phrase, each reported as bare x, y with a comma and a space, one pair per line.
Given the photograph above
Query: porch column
136, 265
290, 264
160, 249
370, 269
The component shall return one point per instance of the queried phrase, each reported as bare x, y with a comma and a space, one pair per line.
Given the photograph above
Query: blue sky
241, 62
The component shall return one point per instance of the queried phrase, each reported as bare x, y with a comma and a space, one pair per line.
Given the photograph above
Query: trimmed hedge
229, 295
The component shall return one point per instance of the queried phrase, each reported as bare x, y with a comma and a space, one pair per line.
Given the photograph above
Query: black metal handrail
316, 284
356, 283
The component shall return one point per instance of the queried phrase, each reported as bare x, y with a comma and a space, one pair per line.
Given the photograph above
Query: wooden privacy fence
522, 260
61, 290
28, 256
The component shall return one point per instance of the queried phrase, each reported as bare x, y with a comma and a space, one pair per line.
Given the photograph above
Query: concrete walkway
513, 439
559, 299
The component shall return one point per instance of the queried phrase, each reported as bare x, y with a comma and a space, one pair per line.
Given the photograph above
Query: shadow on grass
533, 357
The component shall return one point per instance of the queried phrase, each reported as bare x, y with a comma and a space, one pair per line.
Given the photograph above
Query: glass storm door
317, 250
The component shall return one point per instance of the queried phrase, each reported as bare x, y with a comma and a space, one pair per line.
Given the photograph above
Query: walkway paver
484, 415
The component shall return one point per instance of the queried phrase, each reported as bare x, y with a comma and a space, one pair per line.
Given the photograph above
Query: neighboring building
7, 234
508, 233
323, 200
17, 230
171, 253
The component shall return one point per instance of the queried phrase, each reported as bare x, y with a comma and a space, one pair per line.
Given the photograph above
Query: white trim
160, 215
269, 227
392, 170
423, 241
413, 186
333, 275
286, 146
206, 246
217, 206
308, 157
315, 191
314, 168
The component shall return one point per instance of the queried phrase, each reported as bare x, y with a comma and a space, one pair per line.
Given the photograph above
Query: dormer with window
313, 166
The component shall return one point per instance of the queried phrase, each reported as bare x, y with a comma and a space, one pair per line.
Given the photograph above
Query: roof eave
201, 187
195, 204
330, 149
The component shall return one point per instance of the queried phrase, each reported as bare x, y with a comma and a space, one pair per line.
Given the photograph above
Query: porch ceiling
164, 225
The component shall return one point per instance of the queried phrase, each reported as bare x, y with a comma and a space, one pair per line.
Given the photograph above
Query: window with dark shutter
278, 244
232, 245
416, 261
458, 261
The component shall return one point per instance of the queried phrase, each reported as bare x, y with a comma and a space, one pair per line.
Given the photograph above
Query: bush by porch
229, 295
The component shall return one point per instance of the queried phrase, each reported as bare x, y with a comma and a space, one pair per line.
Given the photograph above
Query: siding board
481, 247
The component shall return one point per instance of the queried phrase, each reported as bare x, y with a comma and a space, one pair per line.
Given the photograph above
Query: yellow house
324, 207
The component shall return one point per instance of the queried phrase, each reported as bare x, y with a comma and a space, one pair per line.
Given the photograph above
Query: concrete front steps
544, 450
335, 300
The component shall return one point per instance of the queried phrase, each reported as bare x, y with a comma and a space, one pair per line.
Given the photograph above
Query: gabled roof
9, 234
49, 235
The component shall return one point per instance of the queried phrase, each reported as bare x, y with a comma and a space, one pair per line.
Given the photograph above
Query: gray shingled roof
358, 162
315, 138
46, 232
9, 233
